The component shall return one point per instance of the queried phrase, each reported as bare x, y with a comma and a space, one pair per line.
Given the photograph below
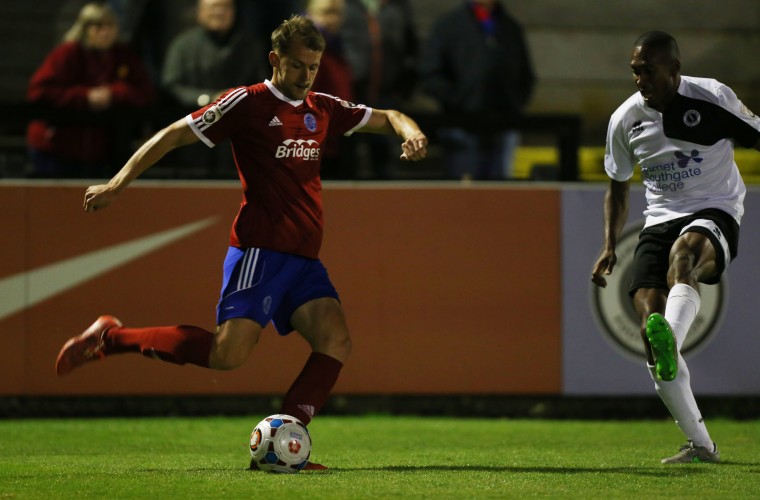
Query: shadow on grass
654, 470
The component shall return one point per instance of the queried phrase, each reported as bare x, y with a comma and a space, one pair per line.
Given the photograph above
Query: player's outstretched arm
615, 215
389, 121
175, 135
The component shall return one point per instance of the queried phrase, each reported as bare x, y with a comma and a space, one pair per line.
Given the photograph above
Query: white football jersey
686, 154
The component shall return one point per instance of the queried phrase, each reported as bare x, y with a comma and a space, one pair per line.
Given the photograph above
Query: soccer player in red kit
272, 271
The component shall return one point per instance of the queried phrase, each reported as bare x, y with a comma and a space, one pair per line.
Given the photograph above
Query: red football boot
85, 347
314, 466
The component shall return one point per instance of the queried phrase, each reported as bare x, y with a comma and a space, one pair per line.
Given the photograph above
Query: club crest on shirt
692, 118
211, 115
310, 122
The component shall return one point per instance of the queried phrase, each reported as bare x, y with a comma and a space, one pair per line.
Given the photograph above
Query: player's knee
337, 344
682, 257
224, 358
228, 360
681, 265
232, 349
345, 346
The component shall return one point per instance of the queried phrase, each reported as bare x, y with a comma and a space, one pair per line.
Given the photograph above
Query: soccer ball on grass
280, 443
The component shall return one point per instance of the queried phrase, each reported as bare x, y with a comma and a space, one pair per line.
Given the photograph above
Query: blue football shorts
264, 285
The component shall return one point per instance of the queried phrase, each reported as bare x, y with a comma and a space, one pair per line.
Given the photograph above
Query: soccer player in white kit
681, 132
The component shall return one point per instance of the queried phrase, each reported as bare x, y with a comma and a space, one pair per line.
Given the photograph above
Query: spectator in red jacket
89, 88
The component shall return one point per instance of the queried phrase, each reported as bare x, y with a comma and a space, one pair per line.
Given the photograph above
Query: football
280, 443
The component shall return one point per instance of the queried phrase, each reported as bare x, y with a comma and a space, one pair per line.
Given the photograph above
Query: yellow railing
591, 162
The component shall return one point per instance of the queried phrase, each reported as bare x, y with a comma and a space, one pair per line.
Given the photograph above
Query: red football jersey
277, 145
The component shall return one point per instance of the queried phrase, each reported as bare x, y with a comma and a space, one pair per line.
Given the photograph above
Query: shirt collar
284, 98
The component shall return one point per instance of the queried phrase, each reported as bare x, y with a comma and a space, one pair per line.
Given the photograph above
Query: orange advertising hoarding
447, 288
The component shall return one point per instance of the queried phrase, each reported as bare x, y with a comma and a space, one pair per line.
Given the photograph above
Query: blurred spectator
211, 57
381, 46
477, 61
89, 72
205, 61
334, 77
149, 26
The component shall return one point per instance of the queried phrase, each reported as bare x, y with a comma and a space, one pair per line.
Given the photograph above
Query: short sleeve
746, 130
618, 159
346, 117
218, 120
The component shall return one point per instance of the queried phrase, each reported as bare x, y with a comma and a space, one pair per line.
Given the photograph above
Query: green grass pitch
372, 457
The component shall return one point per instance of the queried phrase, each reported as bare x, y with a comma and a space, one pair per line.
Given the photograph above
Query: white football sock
681, 309
679, 400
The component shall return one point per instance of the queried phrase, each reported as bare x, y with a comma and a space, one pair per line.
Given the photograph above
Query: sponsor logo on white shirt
672, 176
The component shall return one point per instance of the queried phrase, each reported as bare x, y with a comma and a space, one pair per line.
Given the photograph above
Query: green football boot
663, 345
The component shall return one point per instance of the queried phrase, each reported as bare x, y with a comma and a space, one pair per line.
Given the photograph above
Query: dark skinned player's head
656, 67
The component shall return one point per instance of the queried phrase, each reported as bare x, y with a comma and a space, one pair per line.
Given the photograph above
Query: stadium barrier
461, 297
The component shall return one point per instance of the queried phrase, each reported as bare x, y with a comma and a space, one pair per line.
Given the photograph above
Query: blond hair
91, 13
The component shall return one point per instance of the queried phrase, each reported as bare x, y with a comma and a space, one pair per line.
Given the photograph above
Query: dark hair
297, 28
659, 41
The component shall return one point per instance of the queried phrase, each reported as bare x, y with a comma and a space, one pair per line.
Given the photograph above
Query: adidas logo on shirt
275, 122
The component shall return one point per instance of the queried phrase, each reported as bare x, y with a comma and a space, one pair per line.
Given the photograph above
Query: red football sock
311, 389
175, 344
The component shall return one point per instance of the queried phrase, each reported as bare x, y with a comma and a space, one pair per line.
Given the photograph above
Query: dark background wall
580, 48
